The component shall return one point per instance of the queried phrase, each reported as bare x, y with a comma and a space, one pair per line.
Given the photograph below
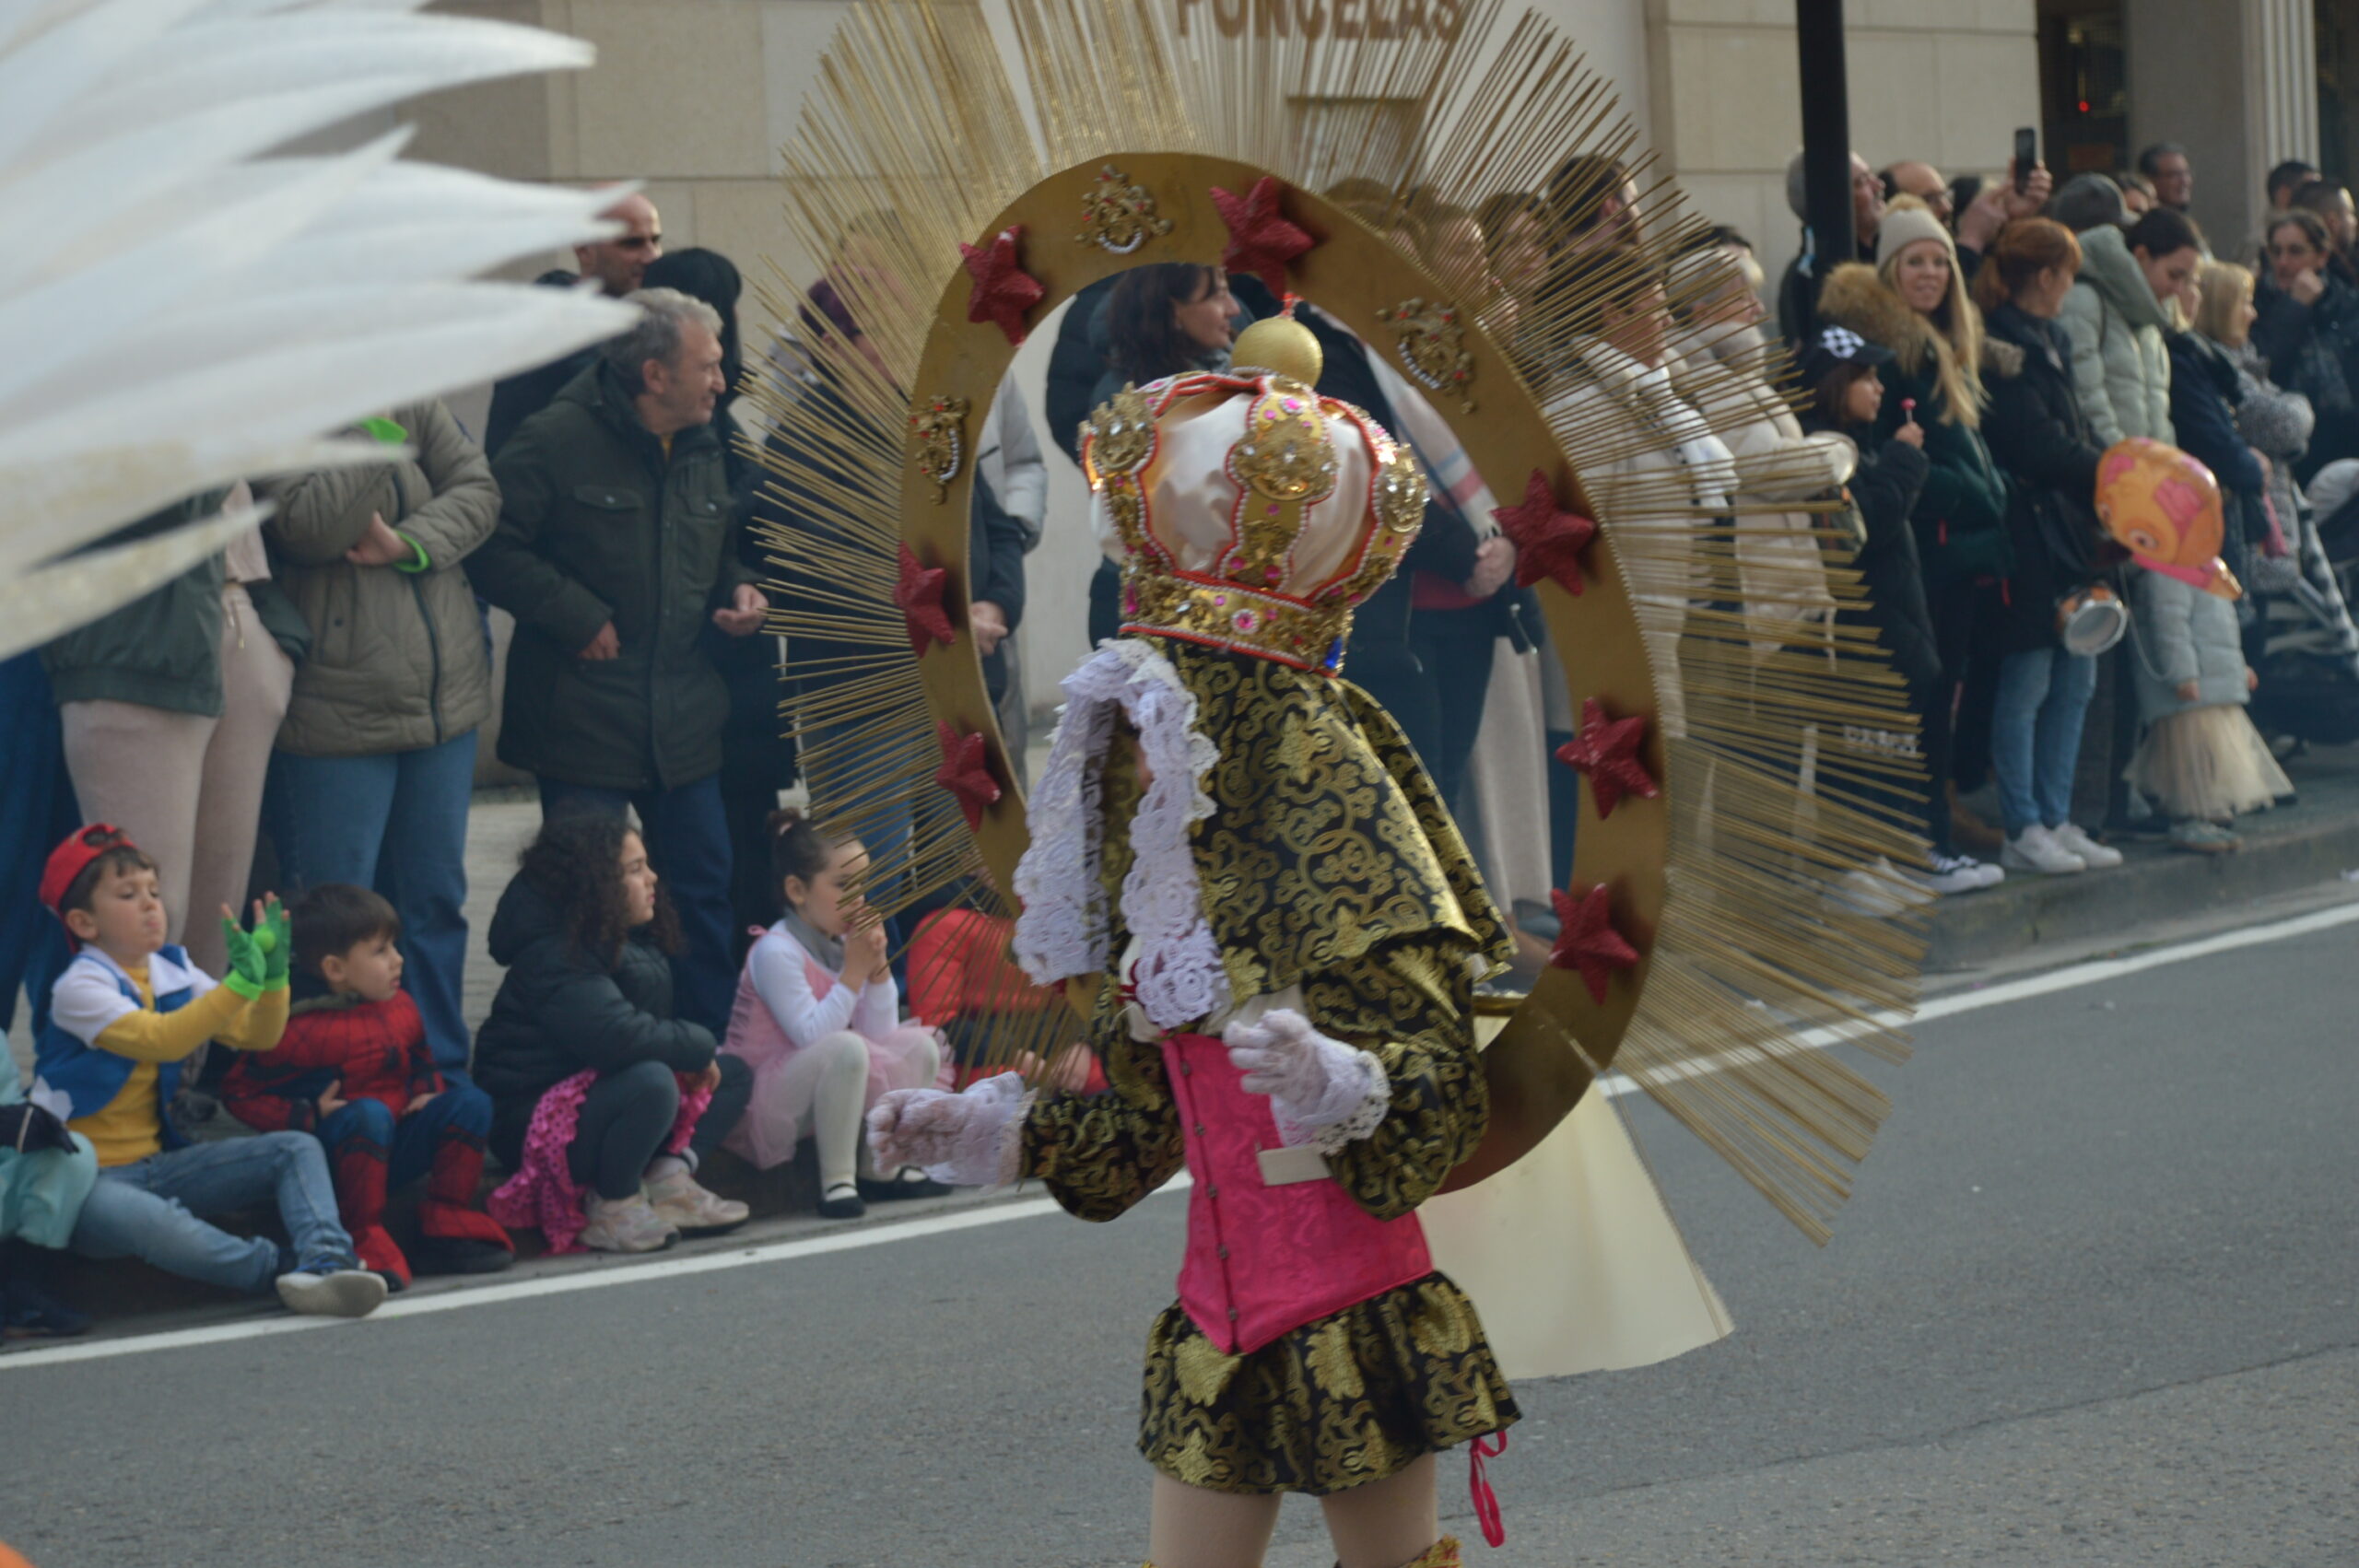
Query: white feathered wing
178, 310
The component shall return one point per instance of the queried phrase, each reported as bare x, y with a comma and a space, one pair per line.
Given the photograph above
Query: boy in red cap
123, 1016
353, 1070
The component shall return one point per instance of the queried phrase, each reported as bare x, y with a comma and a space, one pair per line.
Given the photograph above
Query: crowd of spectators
685, 968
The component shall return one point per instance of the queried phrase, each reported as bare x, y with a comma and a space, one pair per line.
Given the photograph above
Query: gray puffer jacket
2121, 362
398, 661
2183, 634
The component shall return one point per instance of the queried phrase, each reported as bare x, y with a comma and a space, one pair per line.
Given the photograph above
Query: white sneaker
2072, 837
1879, 890
2035, 849
336, 1293
1959, 873
627, 1224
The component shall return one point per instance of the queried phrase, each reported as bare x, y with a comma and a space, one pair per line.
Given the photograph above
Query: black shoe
32, 1312
838, 1204
910, 1182
458, 1255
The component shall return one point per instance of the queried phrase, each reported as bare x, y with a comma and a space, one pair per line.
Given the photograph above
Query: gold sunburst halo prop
1751, 989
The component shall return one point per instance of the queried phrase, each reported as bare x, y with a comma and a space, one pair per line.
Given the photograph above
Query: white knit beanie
1905, 222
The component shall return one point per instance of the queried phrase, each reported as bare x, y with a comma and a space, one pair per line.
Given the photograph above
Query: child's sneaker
2202, 837
695, 1212
330, 1292
1960, 873
624, 1224
455, 1240
28, 1312
380, 1254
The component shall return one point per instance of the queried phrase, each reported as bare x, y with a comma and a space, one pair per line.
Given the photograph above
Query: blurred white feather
179, 310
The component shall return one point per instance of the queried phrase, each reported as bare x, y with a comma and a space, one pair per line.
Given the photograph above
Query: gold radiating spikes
1762, 994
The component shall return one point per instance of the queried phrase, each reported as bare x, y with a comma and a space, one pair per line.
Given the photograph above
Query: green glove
249, 973
275, 937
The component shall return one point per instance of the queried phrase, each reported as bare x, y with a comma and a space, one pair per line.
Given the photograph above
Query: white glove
1323, 1091
968, 1139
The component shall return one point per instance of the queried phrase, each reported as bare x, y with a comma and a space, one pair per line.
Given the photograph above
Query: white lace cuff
987, 1148
1351, 1107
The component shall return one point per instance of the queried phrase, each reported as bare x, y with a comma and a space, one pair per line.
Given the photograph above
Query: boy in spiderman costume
353, 1068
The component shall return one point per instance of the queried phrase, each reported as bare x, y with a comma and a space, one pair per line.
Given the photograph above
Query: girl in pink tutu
818, 1019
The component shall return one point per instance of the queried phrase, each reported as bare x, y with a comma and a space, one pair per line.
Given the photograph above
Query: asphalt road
2095, 1304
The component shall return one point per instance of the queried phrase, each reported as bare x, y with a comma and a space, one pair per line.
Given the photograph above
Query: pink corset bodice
1263, 1260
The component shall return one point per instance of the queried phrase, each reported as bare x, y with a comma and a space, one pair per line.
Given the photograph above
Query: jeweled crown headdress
1254, 514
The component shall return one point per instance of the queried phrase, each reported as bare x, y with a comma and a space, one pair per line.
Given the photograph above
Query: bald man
617, 264
1922, 180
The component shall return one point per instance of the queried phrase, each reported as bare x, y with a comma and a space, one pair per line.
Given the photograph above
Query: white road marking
592, 1278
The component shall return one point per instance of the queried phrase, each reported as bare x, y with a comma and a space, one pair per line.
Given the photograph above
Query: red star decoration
1548, 538
918, 593
967, 772
1588, 940
1607, 750
1004, 291
1260, 240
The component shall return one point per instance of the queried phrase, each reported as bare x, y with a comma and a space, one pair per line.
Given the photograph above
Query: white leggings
822, 1090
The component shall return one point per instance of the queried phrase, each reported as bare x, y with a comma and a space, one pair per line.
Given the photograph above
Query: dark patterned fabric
1352, 1397
1328, 837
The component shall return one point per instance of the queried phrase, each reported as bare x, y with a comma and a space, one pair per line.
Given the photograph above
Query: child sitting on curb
354, 1070
123, 1016
602, 1099
818, 1019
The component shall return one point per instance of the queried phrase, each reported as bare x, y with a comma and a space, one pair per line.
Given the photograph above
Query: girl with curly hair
601, 1100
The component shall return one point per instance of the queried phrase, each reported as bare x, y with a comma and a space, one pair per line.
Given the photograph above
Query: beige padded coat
397, 659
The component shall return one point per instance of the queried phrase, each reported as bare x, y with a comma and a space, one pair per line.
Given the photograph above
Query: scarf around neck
827, 950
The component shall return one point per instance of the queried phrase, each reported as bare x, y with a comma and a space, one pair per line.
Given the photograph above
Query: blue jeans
2036, 734
396, 823
686, 832
149, 1209
847, 784
410, 1143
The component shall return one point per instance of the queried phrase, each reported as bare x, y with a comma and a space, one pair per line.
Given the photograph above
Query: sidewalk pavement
2314, 841
2014, 927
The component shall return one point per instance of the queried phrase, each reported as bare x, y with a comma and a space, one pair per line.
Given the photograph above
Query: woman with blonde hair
1913, 303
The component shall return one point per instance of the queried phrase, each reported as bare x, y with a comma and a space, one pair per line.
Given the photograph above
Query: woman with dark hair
603, 1100
1163, 320
2119, 318
2308, 331
1166, 319
2330, 202
1592, 201
2041, 441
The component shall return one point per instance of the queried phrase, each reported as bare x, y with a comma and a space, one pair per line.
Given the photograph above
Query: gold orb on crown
1281, 345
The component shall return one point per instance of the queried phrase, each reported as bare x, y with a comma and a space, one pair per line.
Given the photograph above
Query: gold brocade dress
1328, 867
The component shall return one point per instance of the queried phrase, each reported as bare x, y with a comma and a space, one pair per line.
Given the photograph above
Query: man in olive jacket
615, 551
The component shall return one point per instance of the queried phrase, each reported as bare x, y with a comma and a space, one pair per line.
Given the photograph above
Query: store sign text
1317, 18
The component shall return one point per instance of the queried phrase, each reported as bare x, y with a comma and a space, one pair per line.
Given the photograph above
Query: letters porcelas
1310, 20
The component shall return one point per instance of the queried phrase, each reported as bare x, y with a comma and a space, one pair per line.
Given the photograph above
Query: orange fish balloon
2164, 508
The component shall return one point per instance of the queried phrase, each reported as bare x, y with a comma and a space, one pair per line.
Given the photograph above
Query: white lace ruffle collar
1063, 931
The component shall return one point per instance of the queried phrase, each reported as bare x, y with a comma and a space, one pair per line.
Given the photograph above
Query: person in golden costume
1283, 930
